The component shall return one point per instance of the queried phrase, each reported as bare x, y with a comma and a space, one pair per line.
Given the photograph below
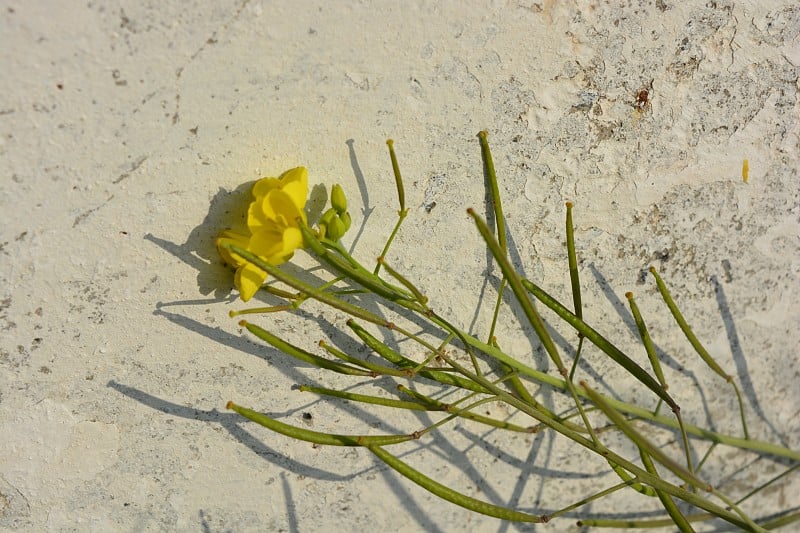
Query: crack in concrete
83, 216
134, 167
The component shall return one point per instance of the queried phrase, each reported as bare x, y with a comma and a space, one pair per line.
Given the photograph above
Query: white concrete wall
123, 125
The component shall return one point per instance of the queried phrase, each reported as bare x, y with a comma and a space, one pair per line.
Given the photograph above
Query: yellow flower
274, 233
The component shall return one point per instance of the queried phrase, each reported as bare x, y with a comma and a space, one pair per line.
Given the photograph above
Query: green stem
644, 476
403, 362
403, 280
436, 405
316, 437
601, 342
374, 368
497, 205
322, 296
500, 223
649, 449
521, 368
666, 500
349, 267
302, 355
398, 178
446, 493
401, 196
590, 499
697, 345
531, 314
572, 259
643, 443
650, 349
575, 282
365, 398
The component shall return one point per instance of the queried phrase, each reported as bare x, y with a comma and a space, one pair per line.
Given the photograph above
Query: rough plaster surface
125, 125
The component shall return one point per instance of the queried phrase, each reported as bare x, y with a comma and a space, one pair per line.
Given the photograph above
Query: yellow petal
294, 183
256, 218
279, 199
249, 278
292, 240
276, 246
264, 185
229, 237
275, 207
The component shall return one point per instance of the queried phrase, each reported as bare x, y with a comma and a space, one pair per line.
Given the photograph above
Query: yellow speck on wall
745, 170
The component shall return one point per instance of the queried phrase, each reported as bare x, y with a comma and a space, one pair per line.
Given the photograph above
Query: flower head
272, 225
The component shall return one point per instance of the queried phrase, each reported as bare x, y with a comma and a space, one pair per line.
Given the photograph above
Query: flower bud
335, 230
327, 217
338, 199
345, 218
325, 222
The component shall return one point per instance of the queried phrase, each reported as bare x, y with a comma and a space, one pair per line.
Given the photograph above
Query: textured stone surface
124, 125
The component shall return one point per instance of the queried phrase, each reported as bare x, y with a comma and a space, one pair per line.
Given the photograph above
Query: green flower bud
329, 215
338, 199
345, 218
336, 229
325, 222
